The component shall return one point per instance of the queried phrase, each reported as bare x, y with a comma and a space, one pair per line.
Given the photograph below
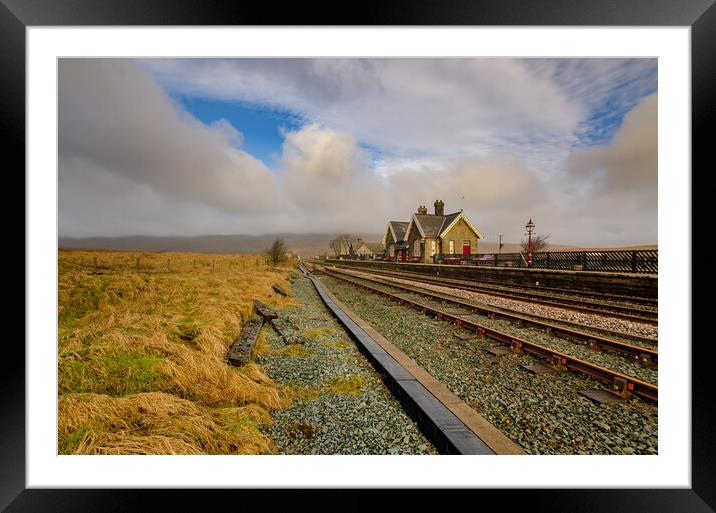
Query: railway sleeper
560, 362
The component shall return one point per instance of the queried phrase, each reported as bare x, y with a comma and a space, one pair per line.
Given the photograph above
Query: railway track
581, 331
619, 311
540, 289
623, 384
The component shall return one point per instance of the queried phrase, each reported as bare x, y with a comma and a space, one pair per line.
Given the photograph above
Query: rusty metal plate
601, 396
538, 369
499, 351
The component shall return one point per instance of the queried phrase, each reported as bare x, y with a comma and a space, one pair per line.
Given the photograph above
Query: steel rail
624, 384
616, 311
637, 300
541, 318
642, 353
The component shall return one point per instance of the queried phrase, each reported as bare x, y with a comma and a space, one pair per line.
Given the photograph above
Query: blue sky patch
260, 125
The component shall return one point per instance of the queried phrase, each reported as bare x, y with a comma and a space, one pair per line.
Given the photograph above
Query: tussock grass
157, 423
150, 343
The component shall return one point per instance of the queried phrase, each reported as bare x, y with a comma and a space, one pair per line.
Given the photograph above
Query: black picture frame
17, 15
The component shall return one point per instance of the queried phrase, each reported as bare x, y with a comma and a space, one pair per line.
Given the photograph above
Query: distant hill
302, 244
308, 244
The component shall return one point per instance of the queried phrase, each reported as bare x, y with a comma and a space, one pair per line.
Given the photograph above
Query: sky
257, 146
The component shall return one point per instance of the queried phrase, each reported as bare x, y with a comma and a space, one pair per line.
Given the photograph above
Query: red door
466, 247
403, 254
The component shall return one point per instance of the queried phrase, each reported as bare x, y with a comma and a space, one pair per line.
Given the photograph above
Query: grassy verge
142, 340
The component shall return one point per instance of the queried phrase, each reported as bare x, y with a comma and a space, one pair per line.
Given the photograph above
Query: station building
427, 236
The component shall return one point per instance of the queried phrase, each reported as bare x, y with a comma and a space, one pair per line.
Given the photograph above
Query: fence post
633, 261
137, 263
584, 260
546, 265
95, 263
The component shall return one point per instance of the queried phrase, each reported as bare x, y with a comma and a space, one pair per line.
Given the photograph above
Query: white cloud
409, 107
113, 115
494, 137
629, 161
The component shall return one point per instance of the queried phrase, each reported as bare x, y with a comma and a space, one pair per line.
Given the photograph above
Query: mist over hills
304, 244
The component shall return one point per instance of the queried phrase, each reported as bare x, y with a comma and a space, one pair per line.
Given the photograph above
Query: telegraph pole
499, 248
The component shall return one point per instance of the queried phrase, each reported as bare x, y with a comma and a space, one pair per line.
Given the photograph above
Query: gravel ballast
327, 369
542, 413
553, 312
618, 362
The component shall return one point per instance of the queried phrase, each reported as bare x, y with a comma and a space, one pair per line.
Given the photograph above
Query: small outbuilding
369, 250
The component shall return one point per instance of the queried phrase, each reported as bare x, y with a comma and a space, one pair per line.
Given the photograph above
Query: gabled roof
398, 229
428, 224
433, 226
448, 221
452, 219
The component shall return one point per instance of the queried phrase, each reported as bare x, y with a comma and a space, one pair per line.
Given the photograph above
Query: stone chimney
422, 209
439, 208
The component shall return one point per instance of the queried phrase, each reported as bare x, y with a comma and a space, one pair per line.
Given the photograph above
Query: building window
391, 250
452, 247
416, 248
433, 249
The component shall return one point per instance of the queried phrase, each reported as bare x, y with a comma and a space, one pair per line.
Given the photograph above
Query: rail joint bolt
558, 363
623, 388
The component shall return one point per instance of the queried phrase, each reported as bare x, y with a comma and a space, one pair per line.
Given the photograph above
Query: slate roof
399, 227
432, 226
449, 219
429, 224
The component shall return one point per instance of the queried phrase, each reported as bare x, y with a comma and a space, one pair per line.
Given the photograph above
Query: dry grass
142, 354
157, 423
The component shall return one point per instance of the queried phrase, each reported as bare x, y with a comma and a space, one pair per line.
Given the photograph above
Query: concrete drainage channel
444, 422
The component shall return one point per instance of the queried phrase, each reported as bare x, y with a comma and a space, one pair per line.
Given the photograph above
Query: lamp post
530, 227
